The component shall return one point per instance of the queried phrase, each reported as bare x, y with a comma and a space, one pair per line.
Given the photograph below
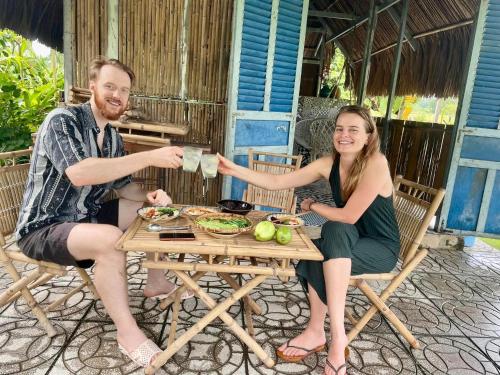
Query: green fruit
283, 235
264, 231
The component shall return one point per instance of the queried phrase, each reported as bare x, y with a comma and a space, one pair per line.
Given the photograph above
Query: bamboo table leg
175, 316
217, 310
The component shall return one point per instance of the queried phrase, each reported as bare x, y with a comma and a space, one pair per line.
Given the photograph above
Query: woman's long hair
372, 147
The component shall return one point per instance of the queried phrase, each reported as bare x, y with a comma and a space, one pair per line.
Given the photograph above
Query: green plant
29, 89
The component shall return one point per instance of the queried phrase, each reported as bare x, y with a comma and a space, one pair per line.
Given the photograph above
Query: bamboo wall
150, 42
418, 151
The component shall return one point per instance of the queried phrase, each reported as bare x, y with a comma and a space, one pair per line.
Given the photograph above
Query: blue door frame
472, 202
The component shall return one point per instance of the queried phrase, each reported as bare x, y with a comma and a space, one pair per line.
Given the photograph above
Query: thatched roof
35, 19
433, 68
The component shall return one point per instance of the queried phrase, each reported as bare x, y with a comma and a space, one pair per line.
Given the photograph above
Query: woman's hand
158, 198
306, 204
226, 166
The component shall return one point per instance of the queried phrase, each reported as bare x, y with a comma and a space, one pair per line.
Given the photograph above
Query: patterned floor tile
421, 316
435, 285
281, 309
214, 351
490, 346
452, 356
93, 350
473, 318
25, 347
72, 309
460, 263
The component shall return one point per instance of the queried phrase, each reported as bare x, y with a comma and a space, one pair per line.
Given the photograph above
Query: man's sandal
297, 358
144, 354
329, 364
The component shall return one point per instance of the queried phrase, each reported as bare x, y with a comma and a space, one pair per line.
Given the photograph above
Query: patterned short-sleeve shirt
66, 137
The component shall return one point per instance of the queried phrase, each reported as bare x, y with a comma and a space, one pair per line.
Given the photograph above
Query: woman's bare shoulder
378, 161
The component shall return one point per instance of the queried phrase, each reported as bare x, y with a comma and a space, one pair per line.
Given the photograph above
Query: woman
361, 235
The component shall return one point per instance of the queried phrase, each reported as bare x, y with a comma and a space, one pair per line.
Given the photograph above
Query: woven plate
195, 211
278, 219
145, 213
199, 222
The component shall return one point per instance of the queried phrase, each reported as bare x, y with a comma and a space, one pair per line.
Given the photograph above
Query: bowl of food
195, 211
285, 220
223, 223
233, 206
158, 213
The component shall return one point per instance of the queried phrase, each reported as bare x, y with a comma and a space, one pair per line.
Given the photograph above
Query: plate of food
285, 220
223, 223
158, 213
195, 211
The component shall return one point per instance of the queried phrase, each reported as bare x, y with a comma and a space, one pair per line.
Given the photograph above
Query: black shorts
50, 243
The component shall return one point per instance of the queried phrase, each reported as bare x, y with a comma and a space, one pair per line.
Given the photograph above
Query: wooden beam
408, 35
311, 61
330, 31
335, 15
422, 35
394, 77
319, 30
361, 21
365, 70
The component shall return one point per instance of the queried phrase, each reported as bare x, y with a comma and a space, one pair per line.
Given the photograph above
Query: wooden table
220, 256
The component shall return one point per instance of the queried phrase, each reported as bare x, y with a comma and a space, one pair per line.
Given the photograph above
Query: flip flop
329, 364
144, 354
185, 295
297, 358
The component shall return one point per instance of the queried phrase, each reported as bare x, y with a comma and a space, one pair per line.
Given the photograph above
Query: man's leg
156, 283
97, 241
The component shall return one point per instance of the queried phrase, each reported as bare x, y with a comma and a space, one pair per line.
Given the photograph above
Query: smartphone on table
177, 236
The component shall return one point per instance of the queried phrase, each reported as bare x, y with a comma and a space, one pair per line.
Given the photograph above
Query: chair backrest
14, 167
415, 206
276, 164
321, 137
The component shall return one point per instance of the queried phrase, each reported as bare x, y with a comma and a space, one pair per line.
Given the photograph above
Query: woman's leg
314, 334
337, 273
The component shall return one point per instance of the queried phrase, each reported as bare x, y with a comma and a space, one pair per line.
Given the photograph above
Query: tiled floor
451, 303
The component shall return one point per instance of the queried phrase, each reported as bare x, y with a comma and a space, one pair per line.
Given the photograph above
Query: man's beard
102, 105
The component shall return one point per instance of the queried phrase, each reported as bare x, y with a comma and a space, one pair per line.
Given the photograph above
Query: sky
40, 49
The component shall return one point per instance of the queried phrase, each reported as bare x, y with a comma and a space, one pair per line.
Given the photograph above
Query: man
78, 158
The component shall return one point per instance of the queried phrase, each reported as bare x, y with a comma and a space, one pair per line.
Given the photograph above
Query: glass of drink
191, 158
209, 164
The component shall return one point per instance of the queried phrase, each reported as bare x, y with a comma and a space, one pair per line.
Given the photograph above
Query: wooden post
112, 46
394, 77
68, 45
365, 69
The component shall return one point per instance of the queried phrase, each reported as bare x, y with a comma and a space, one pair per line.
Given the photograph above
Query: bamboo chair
13, 175
415, 205
282, 200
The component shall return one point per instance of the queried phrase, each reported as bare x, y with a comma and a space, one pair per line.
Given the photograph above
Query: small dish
195, 211
158, 213
285, 220
233, 206
223, 223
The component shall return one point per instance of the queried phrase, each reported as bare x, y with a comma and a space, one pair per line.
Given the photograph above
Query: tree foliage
29, 89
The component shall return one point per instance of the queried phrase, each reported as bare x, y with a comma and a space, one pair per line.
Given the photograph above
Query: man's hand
167, 157
158, 198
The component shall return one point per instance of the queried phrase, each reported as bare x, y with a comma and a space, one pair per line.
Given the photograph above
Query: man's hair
97, 64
